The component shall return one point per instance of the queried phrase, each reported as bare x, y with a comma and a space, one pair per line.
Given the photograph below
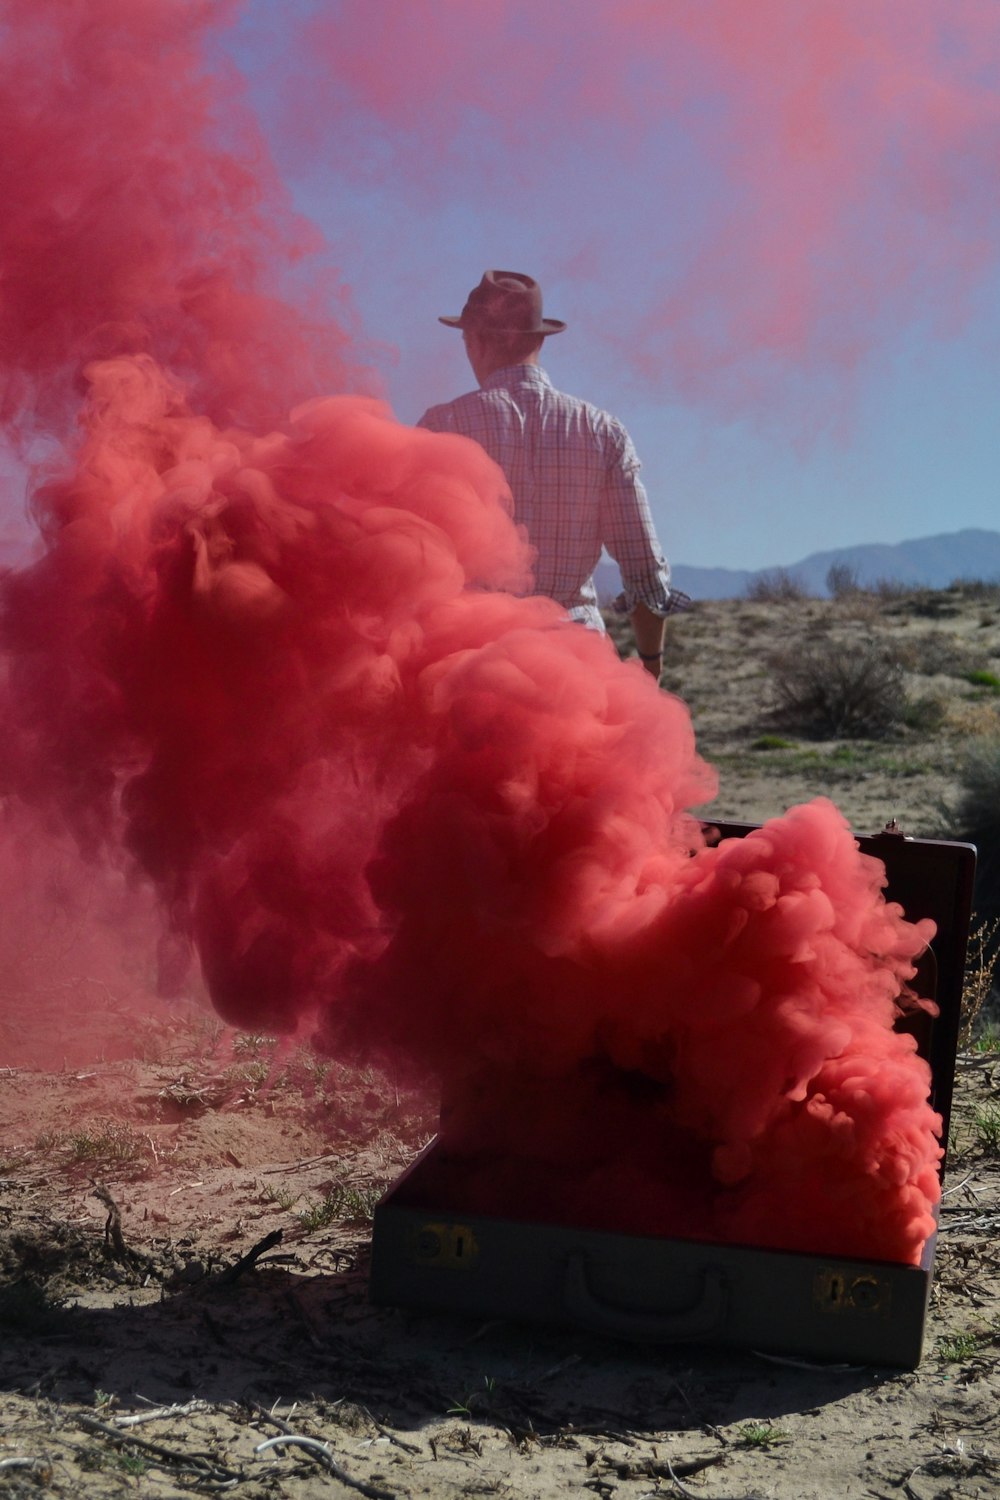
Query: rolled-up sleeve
628, 530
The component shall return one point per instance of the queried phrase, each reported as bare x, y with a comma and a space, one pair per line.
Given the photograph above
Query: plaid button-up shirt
574, 476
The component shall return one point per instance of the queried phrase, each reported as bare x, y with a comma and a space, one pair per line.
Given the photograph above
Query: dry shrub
935, 604
926, 714
979, 778
862, 607
987, 589
892, 589
842, 581
776, 586
976, 818
973, 718
980, 974
832, 689
935, 653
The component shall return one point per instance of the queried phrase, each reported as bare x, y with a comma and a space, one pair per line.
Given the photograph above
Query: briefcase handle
706, 1315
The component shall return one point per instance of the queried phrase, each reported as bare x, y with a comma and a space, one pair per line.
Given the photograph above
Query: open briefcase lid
928, 878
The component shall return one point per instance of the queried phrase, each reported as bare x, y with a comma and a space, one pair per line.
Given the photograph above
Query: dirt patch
162, 1363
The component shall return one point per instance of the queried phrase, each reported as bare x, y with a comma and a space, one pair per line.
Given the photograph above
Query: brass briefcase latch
852, 1292
452, 1247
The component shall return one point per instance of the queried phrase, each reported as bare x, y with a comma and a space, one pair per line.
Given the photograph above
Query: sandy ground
150, 1366
155, 1332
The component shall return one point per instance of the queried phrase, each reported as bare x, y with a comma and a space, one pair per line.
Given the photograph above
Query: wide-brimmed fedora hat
505, 302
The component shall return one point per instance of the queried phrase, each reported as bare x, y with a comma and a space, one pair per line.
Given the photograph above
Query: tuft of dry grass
776, 586
980, 975
973, 718
109, 1143
343, 1203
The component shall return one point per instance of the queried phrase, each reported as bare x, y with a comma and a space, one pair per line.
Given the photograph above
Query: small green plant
283, 1197
130, 1463
762, 1435
984, 679
476, 1400
772, 742
305, 1060
253, 1042
318, 1215
251, 1074
986, 1125
107, 1141
846, 755
959, 1347
342, 1204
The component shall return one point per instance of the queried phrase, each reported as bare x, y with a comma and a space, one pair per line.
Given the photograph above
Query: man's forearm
648, 631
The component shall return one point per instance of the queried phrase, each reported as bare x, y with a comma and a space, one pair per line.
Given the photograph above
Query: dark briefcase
432, 1252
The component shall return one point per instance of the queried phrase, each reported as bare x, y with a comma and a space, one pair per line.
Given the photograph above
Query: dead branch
114, 1239
161, 1413
391, 1437
248, 1261
321, 1452
298, 1166
197, 1462
39, 1466
318, 1450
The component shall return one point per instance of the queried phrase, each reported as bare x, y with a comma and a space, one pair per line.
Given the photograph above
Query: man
572, 469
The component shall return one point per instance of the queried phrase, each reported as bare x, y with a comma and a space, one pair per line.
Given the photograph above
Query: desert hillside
913, 676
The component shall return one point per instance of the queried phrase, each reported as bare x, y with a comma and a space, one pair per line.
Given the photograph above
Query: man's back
573, 473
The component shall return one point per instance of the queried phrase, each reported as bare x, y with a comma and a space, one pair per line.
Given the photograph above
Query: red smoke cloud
141, 214
389, 801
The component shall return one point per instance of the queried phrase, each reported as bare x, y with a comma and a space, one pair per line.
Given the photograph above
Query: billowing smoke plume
141, 214
388, 800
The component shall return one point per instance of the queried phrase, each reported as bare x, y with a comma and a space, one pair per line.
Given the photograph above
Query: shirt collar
513, 375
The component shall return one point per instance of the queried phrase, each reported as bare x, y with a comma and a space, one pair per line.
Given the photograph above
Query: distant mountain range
930, 562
